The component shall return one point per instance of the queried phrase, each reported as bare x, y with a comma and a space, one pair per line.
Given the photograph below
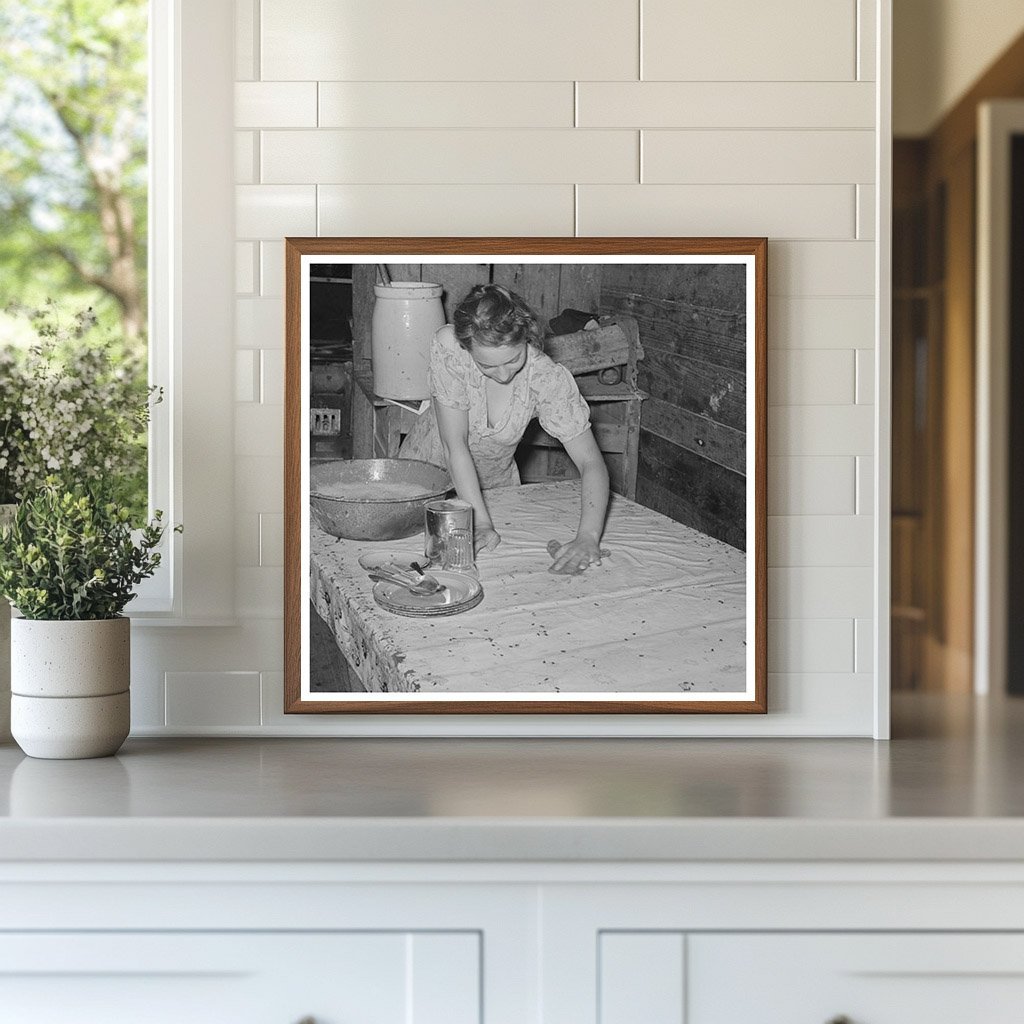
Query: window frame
191, 301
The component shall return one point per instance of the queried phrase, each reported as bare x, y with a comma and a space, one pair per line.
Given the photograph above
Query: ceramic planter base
6, 516
69, 683
71, 727
5, 671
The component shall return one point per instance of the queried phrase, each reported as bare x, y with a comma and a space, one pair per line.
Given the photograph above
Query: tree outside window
73, 173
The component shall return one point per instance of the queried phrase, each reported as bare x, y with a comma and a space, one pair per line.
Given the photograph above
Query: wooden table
664, 612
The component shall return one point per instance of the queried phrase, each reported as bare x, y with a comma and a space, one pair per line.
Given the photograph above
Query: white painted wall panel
446, 104
259, 429
244, 645
444, 157
774, 211
814, 322
867, 26
208, 699
275, 105
811, 645
819, 540
427, 127
260, 591
259, 486
736, 40
148, 705
247, 375
820, 269
246, 45
865, 376
864, 645
272, 376
756, 157
259, 323
866, 211
821, 430
726, 105
455, 40
827, 592
271, 539
271, 268
247, 539
823, 486
246, 169
811, 376
822, 703
447, 209
245, 268
272, 211
272, 686
865, 485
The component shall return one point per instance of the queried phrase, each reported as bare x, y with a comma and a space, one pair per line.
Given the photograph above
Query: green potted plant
74, 405
11, 434
69, 563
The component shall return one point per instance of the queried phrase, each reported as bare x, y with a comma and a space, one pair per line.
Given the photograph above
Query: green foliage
71, 554
73, 155
76, 407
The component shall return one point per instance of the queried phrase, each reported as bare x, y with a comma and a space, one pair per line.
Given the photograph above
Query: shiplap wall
551, 117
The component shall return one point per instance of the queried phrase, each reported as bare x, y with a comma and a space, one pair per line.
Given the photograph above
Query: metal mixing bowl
344, 501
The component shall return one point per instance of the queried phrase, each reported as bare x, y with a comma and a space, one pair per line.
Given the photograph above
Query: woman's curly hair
492, 315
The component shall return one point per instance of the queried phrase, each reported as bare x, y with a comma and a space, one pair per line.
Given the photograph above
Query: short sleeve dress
542, 389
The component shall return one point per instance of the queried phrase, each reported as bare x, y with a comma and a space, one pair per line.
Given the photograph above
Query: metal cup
448, 534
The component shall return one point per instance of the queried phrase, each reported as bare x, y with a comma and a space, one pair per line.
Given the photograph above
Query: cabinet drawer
865, 978
242, 977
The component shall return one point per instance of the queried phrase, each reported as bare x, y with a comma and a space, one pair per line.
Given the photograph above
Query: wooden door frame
998, 121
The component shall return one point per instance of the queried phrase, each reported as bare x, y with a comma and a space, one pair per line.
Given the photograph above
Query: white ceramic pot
69, 683
406, 315
6, 515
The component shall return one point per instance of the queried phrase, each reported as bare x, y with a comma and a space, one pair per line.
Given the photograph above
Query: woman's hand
573, 558
485, 538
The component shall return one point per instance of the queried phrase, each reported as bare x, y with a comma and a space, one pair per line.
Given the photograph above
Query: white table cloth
665, 612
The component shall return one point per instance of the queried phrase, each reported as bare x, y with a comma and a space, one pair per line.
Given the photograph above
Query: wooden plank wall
692, 324
547, 287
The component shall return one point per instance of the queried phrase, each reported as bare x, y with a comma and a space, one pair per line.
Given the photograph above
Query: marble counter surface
947, 787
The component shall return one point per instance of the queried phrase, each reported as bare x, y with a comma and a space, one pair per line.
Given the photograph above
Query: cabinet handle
841, 1019
306, 1020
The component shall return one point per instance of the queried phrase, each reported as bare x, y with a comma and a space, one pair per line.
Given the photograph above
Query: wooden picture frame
673, 620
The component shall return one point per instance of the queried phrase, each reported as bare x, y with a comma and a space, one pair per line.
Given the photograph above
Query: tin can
448, 534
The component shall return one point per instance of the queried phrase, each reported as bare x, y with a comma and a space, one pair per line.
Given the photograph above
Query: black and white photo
525, 475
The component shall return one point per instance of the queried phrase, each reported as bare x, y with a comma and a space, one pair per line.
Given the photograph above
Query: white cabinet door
862, 978
241, 978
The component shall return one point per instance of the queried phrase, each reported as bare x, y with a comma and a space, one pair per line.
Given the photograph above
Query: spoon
424, 576
424, 588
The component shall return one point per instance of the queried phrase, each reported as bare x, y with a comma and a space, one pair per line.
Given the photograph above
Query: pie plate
461, 592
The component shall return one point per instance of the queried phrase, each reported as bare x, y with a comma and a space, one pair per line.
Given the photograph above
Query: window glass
73, 218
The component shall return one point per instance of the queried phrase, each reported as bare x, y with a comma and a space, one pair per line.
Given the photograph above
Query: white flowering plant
73, 407
72, 554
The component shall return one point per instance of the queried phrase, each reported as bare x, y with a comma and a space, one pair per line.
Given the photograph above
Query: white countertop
947, 787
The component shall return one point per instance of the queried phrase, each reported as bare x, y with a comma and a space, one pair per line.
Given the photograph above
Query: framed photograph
525, 475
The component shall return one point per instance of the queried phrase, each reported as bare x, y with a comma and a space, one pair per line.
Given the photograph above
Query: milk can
406, 314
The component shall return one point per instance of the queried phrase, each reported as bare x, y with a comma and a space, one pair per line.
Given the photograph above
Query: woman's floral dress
542, 389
